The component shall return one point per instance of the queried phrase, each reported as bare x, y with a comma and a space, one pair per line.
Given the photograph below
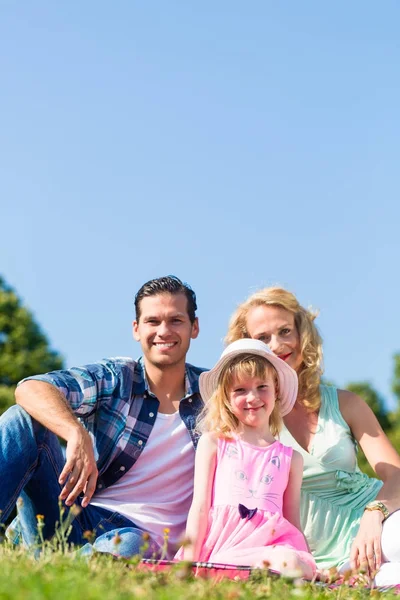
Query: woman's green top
334, 490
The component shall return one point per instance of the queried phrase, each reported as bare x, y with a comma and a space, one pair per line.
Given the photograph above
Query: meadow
63, 575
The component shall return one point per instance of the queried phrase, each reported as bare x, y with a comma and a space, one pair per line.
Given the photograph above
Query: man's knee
15, 414
20, 423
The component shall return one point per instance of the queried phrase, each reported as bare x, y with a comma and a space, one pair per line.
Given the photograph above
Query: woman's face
275, 327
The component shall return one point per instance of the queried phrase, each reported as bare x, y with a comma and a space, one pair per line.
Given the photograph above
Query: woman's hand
366, 551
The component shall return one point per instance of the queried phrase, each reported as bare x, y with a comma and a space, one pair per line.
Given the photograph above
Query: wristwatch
378, 505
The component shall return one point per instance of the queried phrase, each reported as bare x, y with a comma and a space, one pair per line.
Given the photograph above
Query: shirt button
122, 468
99, 486
190, 400
140, 442
151, 414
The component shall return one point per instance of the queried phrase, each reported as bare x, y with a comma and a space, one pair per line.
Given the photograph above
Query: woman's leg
391, 537
389, 573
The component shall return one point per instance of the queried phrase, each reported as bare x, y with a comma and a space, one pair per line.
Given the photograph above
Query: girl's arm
291, 497
385, 461
204, 470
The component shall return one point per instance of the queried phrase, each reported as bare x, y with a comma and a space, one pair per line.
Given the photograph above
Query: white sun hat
288, 382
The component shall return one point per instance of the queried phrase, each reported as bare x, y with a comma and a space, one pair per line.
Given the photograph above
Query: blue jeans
31, 460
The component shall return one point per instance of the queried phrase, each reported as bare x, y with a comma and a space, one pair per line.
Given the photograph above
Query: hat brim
287, 377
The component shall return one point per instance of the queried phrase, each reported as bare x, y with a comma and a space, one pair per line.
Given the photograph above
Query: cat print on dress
248, 487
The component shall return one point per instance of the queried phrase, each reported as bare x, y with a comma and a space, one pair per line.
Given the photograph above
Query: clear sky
233, 144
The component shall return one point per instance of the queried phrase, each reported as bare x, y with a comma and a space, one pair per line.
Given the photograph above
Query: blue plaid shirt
112, 400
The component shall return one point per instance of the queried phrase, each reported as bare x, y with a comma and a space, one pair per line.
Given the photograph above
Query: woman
344, 513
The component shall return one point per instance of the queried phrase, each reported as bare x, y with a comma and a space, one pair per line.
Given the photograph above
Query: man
129, 430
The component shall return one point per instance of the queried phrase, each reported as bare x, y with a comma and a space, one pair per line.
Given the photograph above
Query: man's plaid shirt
112, 400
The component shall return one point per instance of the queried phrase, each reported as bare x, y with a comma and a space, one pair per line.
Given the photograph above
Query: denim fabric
125, 542
31, 460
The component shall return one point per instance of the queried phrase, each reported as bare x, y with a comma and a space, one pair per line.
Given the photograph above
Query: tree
6, 397
396, 378
365, 390
395, 416
24, 349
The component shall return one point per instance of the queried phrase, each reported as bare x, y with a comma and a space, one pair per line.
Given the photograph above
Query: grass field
62, 576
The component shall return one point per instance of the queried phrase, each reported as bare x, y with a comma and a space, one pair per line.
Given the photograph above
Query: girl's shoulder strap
286, 450
224, 444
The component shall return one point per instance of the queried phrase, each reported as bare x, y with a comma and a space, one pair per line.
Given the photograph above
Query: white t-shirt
156, 492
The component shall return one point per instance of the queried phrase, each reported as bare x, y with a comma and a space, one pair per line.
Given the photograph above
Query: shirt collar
140, 383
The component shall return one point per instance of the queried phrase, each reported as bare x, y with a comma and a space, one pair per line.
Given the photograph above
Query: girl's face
275, 326
252, 400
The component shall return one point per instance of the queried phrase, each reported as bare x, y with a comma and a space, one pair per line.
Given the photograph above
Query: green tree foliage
396, 379
374, 401
6, 397
24, 349
394, 434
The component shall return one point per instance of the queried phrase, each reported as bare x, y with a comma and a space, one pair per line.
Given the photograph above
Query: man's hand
366, 551
46, 403
80, 470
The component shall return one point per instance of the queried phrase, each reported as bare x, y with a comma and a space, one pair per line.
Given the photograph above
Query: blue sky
233, 144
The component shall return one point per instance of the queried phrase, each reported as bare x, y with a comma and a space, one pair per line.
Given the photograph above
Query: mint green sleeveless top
334, 490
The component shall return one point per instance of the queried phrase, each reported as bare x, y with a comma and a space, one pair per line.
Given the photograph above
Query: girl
245, 509
344, 513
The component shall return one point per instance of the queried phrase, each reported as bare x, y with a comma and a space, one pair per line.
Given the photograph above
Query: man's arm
47, 405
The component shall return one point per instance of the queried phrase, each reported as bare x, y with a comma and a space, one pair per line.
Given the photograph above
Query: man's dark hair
167, 285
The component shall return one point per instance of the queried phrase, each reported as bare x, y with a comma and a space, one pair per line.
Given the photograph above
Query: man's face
164, 329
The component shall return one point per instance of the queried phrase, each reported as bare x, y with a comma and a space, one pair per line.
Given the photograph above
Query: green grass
64, 576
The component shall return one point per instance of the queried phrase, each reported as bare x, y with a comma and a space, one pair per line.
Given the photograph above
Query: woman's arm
385, 461
196, 526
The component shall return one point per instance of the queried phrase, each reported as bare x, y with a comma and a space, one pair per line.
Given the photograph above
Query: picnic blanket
218, 572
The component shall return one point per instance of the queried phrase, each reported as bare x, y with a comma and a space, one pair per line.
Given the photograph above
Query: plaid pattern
112, 400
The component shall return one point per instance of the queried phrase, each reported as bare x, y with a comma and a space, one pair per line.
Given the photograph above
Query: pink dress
245, 522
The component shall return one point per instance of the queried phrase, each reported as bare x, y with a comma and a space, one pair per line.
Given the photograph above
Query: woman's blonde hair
311, 368
217, 415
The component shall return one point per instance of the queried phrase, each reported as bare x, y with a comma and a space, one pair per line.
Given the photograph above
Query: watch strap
378, 505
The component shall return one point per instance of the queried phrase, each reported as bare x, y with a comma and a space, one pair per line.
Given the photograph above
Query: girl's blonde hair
217, 415
311, 369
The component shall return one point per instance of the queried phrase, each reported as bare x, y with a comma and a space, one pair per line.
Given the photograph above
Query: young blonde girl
245, 508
